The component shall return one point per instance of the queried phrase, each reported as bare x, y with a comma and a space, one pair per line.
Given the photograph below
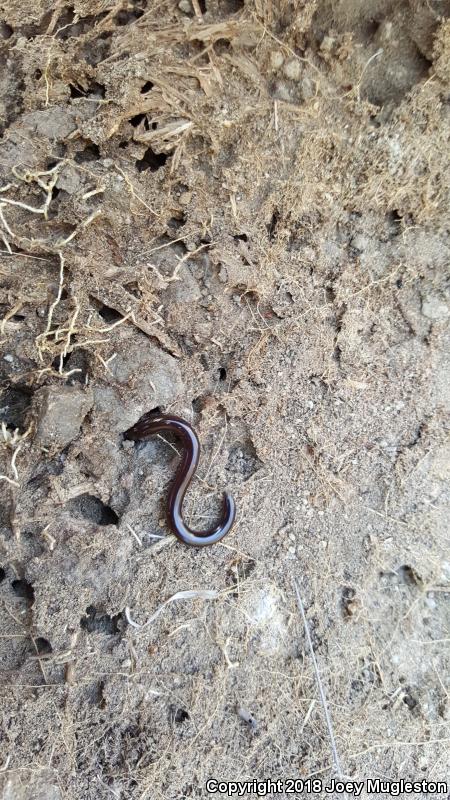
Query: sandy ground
237, 212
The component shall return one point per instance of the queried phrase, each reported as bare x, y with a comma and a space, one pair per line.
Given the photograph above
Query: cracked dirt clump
236, 212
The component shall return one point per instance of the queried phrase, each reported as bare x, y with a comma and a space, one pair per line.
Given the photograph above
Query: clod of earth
60, 411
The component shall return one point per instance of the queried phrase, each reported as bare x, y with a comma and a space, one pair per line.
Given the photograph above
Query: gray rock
186, 290
292, 69
56, 122
276, 59
60, 411
27, 785
434, 307
148, 367
143, 377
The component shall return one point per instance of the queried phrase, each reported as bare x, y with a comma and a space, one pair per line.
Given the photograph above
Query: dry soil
237, 212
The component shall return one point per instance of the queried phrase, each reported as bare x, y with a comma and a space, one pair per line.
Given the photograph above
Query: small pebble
292, 69
276, 59
9, 358
247, 717
308, 90
281, 92
327, 44
185, 198
435, 308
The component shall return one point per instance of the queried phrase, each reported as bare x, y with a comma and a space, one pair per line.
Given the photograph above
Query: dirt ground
237, 212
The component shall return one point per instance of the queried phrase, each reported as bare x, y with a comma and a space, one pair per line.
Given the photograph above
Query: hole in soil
43, 646
242, 236
57, 360
231, 6
178, 715
23, 589
39, 477
109, 314
135, 121
409, 575
389, 92
222, 47
222, 374
198, 404
133, 288
175, 223
339, 318
80, 360
37, 74
394, 222
5, 30
14, 405
125, 17
87, 506
123, 145
148, 85
96, 622
64, 21
2, 574
348, 594
98, 697
409, 700
371, 27
97, 90
151, 160
337, 354
272, 226
394, 216
94, 90
95, 52
90, 153
75, 91
249, 294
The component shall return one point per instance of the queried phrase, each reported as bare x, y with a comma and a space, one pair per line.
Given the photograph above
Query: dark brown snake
153, 423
